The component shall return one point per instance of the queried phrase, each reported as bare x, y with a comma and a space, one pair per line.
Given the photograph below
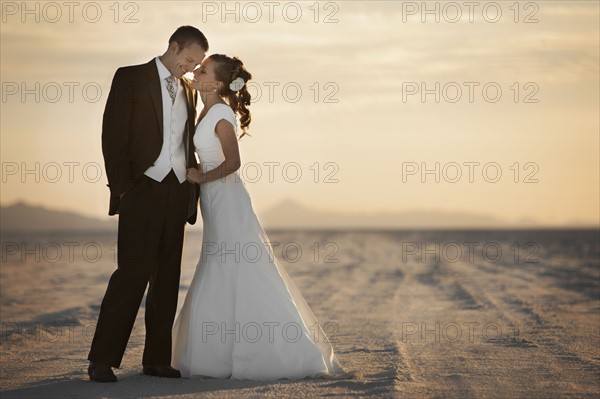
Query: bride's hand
193, 175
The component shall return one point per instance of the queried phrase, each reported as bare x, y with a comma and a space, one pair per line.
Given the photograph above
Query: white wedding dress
243, 317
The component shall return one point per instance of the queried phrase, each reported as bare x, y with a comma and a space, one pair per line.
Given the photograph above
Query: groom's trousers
152, 219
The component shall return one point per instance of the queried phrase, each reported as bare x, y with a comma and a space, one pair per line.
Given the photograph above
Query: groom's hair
186, 35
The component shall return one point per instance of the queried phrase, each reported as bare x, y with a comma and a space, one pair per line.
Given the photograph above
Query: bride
243, 317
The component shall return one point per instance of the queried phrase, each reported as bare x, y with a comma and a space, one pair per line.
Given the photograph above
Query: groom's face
187, 59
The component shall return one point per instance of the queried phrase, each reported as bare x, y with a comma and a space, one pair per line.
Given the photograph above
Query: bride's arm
229, 143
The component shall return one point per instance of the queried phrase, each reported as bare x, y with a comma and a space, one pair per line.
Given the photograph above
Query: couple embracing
241, 318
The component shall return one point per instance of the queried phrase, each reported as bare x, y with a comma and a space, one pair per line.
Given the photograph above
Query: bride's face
204, 78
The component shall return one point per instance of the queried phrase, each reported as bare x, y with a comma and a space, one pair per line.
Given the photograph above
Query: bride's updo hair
227, 69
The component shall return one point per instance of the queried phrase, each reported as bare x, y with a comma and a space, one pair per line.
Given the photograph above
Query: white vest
172, 153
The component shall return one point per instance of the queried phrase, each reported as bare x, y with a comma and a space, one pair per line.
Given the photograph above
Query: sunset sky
358, 129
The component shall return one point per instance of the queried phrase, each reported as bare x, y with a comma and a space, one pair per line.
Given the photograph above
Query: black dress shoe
101, 373
162, 370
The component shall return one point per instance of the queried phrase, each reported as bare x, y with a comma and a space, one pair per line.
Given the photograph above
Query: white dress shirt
172, 154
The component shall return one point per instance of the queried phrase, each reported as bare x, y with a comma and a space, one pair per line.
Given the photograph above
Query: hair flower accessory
237, 84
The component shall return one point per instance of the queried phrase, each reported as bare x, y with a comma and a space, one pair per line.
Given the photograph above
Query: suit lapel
156, 94
190, 125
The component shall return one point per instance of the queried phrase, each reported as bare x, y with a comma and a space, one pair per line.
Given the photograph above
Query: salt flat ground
419, 314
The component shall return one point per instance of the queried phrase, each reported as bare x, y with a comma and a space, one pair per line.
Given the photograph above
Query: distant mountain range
288, 214
25, 217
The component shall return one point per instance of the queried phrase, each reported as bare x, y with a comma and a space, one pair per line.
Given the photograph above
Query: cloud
369, 54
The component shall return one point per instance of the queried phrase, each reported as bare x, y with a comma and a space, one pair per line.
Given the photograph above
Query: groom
147, 143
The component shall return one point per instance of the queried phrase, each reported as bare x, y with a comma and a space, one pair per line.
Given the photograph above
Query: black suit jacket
132, 131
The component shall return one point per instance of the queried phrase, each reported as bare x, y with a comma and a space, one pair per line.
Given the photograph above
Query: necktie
171, 87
